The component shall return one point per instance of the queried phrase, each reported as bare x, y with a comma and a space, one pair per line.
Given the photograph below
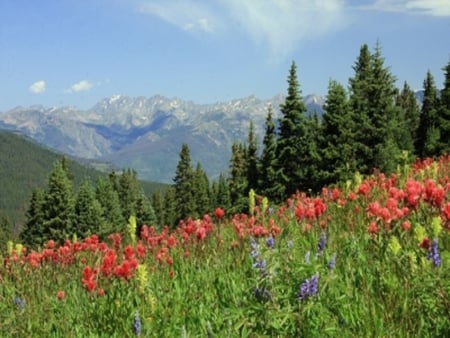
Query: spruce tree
59, 206
88, 213
252, 159
372, 97
444, 113
267, 165
201, 192
108, 197
238, 178
32, 234
294, 141
183, 184
407, 103
171, 214
129, 191
144, 212
428, 135
337, 144
158, 207
221, 194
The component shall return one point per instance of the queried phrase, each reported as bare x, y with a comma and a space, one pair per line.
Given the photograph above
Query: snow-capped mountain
146, 133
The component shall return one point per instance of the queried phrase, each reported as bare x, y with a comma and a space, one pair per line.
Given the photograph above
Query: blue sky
76, 52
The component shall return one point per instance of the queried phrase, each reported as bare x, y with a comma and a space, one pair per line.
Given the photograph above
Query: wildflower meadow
369, 258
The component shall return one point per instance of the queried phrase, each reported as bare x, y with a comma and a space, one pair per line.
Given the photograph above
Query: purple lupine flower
254, 249
137, 324
322, 242
309, 287
433, 255
332, 262
270, 242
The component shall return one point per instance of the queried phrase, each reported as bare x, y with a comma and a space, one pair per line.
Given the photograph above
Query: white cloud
427, 7
279, 25
38, 87
81, 86
186, 14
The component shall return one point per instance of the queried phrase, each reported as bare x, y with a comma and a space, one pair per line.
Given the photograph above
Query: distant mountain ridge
146, 133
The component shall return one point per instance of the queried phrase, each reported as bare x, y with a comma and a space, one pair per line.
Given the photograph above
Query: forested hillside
26, 165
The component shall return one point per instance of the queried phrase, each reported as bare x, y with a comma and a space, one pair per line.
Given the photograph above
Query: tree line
371, 125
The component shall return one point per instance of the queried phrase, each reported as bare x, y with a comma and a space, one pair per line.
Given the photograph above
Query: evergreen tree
88, 213
59, 206
337, 143
376, 118
158, 207
183, 184
267, 166
221, 194
294, 141
108, 197
428, 135
252, 159
171, 214
32, 234
144, 212
201, 191
238, 179
444, 113
407, 103
129, 192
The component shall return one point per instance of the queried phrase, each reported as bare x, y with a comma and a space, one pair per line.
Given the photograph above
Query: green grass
206, 278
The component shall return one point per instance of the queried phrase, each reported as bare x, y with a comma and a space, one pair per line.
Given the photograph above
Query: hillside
25, 165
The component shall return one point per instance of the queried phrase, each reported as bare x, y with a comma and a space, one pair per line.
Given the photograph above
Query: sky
77, 52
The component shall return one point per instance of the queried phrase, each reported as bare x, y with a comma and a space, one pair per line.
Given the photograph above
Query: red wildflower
61, 294
219, 213
100, 292
373, 228
406, 225
425, 244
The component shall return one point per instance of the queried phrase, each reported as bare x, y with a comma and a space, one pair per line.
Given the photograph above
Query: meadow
369, 258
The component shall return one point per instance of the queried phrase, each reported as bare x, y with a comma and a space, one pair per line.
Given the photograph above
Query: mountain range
146, 133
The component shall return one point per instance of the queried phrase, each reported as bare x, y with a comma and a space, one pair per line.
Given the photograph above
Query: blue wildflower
322, 242
309, 287
270, 242
433, 255
137, 325
332, 262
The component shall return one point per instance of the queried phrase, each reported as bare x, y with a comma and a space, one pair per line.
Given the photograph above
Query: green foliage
444, 114
237, 181
32, 233
5, 232
428, 133
111, 210
88, 213
252, 158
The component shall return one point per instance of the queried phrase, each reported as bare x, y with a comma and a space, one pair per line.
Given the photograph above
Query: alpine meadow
332, 225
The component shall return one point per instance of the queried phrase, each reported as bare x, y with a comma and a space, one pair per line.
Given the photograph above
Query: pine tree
221, 194
407, 103
267, 165
238, 178
171, 214
183, 184
59, 206
337, 143
252, 159
32, 234
158, 207
114, 222
144, 212
201, 192
428, 135
129, 192
88, 213
372, 97
294, 140
444, 113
